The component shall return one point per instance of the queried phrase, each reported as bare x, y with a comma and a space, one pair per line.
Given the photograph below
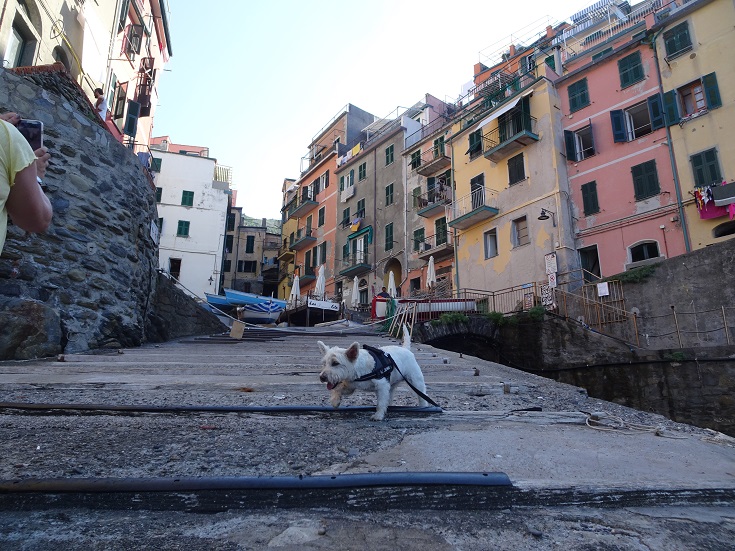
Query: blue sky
255, 81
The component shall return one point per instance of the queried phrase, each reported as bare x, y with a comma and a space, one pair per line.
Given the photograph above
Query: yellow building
288, 235
511, 211
694, 44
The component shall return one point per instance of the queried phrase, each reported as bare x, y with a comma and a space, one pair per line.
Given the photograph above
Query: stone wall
90, 281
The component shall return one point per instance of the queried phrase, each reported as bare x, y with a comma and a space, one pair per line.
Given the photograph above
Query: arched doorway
393, 265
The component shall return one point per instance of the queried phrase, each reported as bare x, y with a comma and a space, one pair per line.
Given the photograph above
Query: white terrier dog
347, 369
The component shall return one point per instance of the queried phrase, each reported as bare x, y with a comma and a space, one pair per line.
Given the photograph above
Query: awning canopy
504, 109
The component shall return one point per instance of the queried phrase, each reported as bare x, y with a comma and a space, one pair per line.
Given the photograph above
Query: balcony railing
440, 246
308, 274
432, 202
299, 206
514, 131
304, 238
434, 160
354, 264
285, 252
481, 204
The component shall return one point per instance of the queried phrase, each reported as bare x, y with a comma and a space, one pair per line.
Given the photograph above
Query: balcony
440, 246
299, 206
308, 276
432, 202
478, 206
285, 253
513, 133
304, 238
433, 160
355, 264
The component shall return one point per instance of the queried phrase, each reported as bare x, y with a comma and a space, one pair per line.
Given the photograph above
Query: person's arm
27, 204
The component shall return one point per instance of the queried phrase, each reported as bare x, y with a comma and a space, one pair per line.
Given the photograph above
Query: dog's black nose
322, 378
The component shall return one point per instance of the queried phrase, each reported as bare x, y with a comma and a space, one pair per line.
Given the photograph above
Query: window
324, 180
677, 40
187, 198
250, 266
133, 40
388, 194
551, 62
389, 155
516, 170
706, 168
322, 252
579, 144
231, 221
440, 230
589, 198
590, 261
491, 243
389, 236
17, 49
362, 172
439, 147
320, 217
690, 100
636, 121
645, 180
174, 267
121, 98
477, 191
346, 217
578, 95
644, 251
228, 265
160, 224
416, 193
341, 183
519, 229
630, 69
415, 160
228, 243
159, 193
418, 239
360, 208
156, 164
182, 229
250, 244
475, 143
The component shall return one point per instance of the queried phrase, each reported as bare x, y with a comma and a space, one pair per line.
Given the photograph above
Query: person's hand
11, 117
42, 160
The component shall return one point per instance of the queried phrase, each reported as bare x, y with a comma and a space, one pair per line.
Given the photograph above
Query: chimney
549, 31
264, 223
512, 50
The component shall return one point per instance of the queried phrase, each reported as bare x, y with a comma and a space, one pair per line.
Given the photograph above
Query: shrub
453, 317
537, 313
496, 317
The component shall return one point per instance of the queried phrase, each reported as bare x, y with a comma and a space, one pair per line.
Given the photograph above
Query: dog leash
416, 390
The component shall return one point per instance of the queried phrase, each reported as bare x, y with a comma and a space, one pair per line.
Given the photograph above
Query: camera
32, 131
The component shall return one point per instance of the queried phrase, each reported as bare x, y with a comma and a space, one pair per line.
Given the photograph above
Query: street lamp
546, 214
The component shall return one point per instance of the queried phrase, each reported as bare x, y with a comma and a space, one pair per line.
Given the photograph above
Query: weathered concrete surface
552, 454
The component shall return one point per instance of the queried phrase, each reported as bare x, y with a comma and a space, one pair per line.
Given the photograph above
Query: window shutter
698, 169
637, 172
131, 119
570, 145
712, 167
711, 91
670, 108
656, 112
341, 183
617, 118
346, 250
589, 198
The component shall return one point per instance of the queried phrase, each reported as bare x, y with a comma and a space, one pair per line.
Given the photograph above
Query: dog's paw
335, 401
377, 417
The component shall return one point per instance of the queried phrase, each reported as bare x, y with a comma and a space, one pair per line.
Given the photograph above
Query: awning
724, 195
367, 230
504, 109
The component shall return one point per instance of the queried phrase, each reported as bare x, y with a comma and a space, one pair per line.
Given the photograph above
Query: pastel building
286, 254
429, 186
511, 205
694, 43
193, 196
626, 199
371, 233
313, 200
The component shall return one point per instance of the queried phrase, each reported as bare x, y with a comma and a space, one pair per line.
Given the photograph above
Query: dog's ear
353, 351
323, 347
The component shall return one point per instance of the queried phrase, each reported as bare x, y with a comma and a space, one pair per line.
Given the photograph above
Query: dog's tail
406, 337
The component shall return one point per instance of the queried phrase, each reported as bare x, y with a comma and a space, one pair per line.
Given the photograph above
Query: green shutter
656, 112
589, 198
341, 183
670, 108
617, 118
711, 91
698, 169
131, 119
570, 146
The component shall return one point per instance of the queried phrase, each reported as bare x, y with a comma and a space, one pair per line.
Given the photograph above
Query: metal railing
440, 194
480, 197
508, 127
434, 241
354, 260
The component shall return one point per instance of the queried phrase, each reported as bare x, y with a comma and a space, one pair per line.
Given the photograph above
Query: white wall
201, 251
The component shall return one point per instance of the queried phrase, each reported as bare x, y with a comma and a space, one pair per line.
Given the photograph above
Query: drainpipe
670, 145
454, 231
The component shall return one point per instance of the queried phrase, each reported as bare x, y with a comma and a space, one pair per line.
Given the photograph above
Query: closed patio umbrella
355, 293
431, 274
295, 291
320, 283
392, 291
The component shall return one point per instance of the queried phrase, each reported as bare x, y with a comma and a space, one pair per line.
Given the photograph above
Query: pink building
626, 202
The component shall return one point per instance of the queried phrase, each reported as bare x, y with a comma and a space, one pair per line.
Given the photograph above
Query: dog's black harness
384, 366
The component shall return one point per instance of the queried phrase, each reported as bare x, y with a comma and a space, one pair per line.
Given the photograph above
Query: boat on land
311, 312
247, 307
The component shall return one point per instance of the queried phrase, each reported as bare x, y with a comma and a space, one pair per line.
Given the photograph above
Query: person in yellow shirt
21, 169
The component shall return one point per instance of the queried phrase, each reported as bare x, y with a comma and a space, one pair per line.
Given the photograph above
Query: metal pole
676, 323
635, 328
724, 320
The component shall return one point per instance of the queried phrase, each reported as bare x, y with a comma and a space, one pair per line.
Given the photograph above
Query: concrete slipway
583, 473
